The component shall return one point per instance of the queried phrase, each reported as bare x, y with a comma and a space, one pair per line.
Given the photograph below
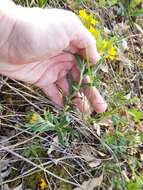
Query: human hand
37, 51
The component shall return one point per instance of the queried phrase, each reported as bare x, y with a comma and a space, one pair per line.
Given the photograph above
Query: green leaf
96, 80
42, 3
137, 13
119, 97
38, 124
79, 61
71, 83
141, 137
97, 66
134, 3
136, 114
65, 120
40, 127
90, 73
112, 2
115, 119
61, 138
135, 184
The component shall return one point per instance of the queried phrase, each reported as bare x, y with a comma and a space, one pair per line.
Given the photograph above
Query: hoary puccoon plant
105, 44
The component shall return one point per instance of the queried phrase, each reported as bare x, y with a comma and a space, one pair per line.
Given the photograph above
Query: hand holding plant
40, 49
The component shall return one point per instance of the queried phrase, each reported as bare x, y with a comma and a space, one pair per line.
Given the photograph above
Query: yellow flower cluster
87, 19
33, 118
94, 32
105, 48
42, 184
112, 53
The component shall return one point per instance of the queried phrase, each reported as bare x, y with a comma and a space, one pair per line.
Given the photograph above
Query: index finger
86, 44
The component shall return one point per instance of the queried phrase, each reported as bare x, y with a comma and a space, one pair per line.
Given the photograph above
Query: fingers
81, 102
75, 73
54, 94
64, 85
86, 102
94, 97
65, 56
87, 45
52, 73
72, 49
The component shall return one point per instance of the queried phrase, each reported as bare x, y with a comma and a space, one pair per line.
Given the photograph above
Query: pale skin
38, 46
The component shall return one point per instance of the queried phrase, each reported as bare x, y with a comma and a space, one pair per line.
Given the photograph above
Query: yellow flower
92, 29
82, 13
104, 44
112, 53
104, 47
94, 32
87, 19
42, 184
93, 21
33, 118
